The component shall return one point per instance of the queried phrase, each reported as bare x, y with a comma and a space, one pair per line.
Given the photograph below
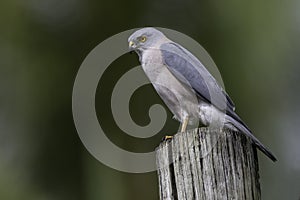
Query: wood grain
207, 164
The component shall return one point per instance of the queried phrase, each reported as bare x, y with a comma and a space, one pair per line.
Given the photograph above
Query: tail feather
245, 130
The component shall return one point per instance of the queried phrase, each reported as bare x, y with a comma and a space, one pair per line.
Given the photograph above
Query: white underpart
211, 116
159, 75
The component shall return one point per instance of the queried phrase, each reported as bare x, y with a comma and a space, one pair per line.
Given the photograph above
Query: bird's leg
184, 124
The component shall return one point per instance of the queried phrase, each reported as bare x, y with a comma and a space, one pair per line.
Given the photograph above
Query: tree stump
208, 164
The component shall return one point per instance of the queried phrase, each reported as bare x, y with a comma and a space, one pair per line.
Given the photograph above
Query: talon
167, 137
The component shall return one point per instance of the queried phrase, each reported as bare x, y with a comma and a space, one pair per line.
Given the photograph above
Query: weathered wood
208, 164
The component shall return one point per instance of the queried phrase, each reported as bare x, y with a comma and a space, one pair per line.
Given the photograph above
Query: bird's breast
179, 98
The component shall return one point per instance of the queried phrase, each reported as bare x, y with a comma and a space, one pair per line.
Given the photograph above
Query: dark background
255, 44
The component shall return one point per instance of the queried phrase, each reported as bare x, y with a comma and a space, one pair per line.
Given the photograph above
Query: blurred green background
255, 44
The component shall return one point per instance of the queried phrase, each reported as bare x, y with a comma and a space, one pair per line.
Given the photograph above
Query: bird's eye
143, 39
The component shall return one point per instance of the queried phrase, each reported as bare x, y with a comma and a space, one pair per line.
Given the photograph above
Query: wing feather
190, 71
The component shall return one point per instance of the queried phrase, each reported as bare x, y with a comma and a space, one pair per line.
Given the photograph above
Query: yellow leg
184, 124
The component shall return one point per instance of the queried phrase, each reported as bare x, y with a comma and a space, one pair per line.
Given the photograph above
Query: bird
184, 84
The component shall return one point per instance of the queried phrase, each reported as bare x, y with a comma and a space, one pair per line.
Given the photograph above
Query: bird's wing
190, 71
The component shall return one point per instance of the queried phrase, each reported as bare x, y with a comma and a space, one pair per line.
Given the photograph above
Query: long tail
245, 130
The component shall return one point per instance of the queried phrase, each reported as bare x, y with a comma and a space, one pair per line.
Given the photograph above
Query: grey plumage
185, 85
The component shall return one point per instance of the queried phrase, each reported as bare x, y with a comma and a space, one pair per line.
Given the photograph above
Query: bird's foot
166, 138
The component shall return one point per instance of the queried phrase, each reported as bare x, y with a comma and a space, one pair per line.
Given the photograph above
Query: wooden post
205, 164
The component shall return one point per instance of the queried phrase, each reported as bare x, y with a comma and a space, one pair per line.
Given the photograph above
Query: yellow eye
143, 39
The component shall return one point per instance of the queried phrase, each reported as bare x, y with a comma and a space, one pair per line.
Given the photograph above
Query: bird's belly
180, 105
181, 100
209, 115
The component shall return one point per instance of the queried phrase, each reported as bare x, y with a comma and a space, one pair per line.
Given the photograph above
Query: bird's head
145, 38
